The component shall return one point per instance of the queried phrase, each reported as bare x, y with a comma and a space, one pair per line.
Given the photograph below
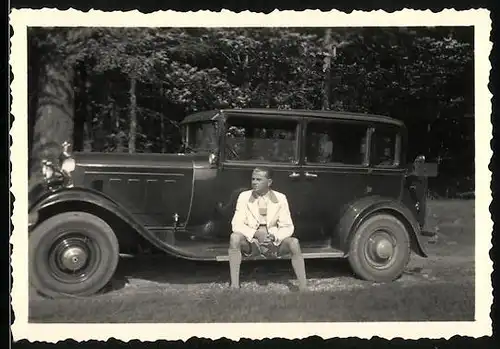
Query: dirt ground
438, 288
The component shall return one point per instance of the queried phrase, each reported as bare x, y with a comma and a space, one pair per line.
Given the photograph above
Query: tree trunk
115, 116
133, 115
88, 132
91, 142
333, 98
80, 107
162, 121
33, 94
119, 134
327, 65
54, 114
269, 86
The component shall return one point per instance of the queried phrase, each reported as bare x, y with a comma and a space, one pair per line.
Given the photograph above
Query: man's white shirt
247, 217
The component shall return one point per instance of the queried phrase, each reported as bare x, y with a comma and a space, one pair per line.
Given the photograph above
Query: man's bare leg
236, 242
292, 245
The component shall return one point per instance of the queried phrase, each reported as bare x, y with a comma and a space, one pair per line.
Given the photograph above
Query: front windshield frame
200, 142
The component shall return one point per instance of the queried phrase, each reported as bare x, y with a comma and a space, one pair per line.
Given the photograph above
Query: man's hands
263, 236
265, 241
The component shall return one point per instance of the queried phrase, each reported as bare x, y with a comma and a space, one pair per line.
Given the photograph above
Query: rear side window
335, 142
261, 140
384, 147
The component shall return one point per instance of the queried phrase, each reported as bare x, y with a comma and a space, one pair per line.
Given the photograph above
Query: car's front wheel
380, 249
72, 254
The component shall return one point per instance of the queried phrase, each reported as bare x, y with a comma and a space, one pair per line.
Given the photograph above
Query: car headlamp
68, 165
47, 171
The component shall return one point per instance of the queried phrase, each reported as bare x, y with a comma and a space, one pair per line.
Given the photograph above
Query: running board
307, 255
217, 250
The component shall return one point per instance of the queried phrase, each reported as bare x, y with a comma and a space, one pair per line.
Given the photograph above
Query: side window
256, 139
202, 135
384, 147
333, 142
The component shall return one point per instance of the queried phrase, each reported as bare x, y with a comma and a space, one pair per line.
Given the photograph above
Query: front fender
357, 212
89, 199
71, 195
36, 192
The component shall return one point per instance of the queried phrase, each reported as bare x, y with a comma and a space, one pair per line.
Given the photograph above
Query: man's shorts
254, 248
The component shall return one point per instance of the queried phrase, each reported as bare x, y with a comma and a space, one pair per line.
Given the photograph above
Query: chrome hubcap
384, 249
380, 249
73, 258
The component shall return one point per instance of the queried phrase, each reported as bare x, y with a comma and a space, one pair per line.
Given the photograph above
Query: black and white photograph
296, 170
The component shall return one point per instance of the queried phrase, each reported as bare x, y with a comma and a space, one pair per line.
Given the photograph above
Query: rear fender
357, 212
92, 201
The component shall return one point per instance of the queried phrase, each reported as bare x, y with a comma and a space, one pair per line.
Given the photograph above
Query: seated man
263, 216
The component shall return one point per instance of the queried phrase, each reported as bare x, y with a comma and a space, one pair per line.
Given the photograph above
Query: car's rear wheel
380, 249
72, 254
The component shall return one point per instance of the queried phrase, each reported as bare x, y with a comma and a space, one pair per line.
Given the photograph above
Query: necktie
262, 209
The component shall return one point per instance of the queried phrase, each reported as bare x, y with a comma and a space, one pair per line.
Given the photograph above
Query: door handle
294, 175
311, 175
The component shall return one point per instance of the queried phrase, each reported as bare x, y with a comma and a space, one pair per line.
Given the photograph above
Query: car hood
139, 159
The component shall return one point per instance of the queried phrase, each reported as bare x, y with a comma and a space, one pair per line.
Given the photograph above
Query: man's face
260, 182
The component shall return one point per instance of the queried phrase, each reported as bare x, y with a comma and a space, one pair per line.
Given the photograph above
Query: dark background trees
126, 89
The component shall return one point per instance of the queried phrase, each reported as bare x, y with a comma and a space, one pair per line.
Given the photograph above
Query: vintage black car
351, 192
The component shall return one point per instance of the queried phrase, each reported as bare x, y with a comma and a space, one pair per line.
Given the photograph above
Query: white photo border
21, 19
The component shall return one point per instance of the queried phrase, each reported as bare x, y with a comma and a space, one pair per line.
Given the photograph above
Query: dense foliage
126, 89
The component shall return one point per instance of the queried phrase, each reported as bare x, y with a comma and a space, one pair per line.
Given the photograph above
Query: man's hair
267, 170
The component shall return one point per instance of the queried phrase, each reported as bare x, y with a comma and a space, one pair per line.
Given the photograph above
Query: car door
386, 174
257, 140
335, 168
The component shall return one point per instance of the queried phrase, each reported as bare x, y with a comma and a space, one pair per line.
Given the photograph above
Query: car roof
324, 114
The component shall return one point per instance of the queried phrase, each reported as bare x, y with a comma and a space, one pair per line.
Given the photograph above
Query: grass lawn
392, 302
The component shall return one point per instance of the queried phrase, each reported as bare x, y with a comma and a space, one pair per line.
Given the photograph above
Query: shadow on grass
454, 219
164, 269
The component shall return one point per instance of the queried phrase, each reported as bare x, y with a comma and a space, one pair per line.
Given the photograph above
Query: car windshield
200, 136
